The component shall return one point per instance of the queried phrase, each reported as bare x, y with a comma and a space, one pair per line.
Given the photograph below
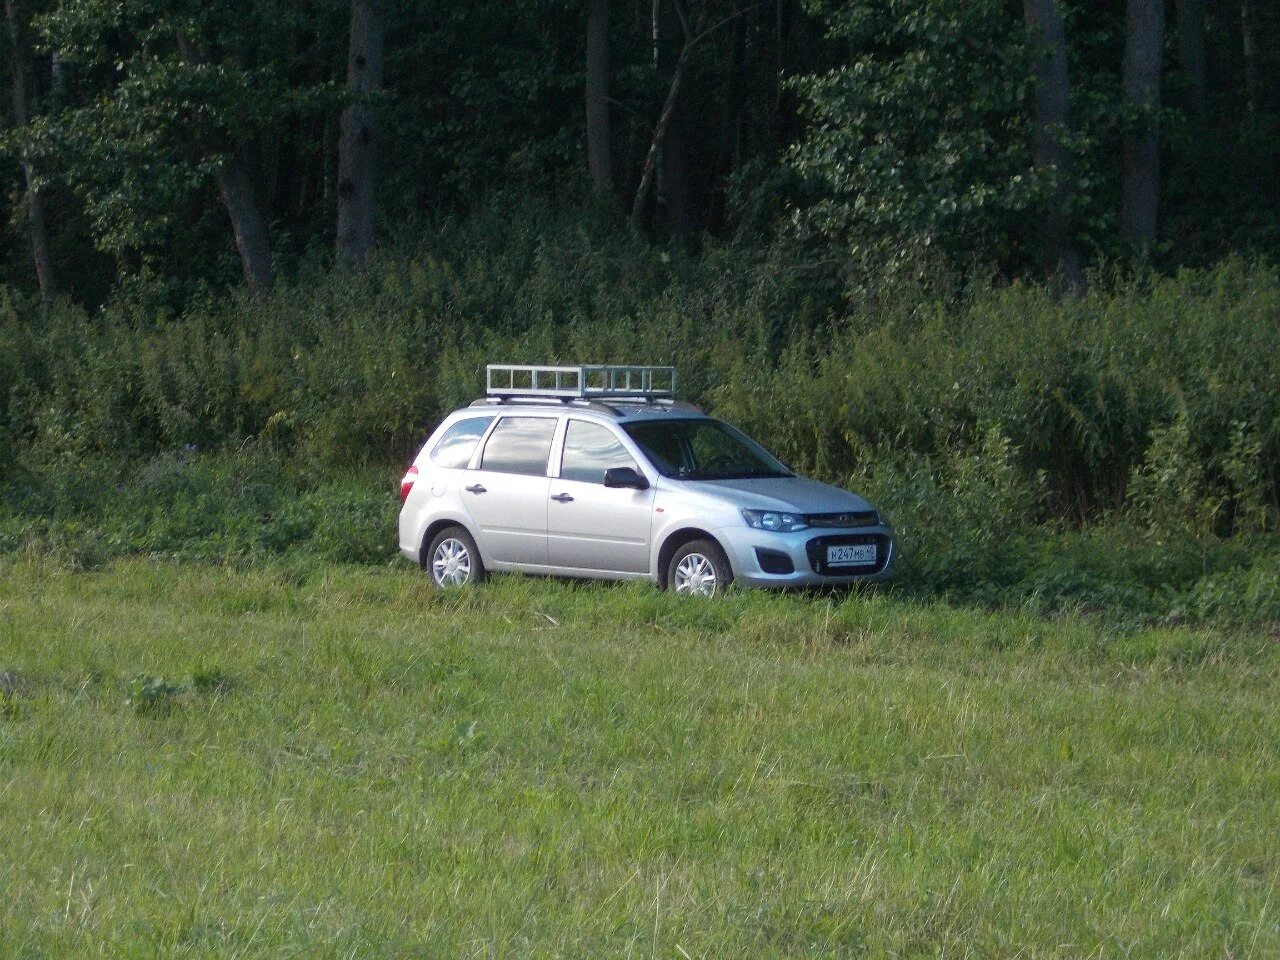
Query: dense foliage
873, 127
921, 140
352, 369
990, 421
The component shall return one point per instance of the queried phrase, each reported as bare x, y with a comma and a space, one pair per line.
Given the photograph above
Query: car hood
792, 494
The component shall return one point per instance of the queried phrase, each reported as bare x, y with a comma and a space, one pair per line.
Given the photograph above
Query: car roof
613, 410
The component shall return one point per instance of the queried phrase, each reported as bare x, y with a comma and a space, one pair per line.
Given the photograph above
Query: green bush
243, 507
1078, 387
1007, 434
347, 369
964, 513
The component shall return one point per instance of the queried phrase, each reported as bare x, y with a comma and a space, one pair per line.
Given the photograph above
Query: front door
507, 495
591, 526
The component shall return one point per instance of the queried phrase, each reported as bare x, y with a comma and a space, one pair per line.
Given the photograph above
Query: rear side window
453, 450
519, 445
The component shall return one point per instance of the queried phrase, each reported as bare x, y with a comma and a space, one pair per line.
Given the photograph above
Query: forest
195, 146
1010, 267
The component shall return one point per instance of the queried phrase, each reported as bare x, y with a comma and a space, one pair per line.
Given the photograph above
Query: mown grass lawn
339, 763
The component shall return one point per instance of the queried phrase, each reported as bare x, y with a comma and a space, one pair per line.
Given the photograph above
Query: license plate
858, 555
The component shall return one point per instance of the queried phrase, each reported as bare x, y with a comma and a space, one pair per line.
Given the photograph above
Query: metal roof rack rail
588, 381
578, 402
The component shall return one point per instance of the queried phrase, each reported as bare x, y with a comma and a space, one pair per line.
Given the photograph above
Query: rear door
591, 526
506, 494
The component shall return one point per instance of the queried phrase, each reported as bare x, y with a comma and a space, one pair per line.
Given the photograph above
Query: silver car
597, 471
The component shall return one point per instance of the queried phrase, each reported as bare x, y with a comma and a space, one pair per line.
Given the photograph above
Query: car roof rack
588, 381
590, 386
614, 409
575, 402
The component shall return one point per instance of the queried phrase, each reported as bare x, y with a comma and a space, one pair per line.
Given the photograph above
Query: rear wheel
699, 569
452, 559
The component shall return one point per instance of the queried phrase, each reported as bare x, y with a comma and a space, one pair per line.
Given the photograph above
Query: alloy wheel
451, 563
695, 575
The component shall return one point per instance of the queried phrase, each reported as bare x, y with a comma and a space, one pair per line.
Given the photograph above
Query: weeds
211, 682
151, 696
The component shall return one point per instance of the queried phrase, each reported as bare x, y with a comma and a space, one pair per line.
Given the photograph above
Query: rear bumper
411, 532
754, 553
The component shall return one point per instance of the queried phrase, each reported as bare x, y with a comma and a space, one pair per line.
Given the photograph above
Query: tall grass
204, 762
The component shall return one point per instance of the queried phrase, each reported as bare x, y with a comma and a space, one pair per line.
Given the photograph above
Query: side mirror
625, 477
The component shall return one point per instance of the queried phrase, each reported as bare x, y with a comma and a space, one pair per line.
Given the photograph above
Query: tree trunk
58, 78
1140, 186
662, 133
328, 169
35, 203
599, 139
235, 187
783, 19
676, 196
284, 186
1249, 50
1052, 122
726, 158
357, 148
252, 241
657, 143
1191, 54
673, 38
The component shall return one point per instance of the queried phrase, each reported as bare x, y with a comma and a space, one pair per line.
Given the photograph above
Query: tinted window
456, 446
590, 450
703, 450
519, 445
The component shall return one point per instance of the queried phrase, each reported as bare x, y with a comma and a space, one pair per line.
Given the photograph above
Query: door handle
562, 498
475, 488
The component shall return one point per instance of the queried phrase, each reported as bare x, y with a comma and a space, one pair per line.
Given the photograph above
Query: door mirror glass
625, 477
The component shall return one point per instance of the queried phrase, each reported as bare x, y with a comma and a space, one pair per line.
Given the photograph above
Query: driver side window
590, 450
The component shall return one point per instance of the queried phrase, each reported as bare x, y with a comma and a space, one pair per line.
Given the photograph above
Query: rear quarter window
453, 450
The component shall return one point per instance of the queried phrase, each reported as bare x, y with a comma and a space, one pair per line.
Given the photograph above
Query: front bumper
754, 553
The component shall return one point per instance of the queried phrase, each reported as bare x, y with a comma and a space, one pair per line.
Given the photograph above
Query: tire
452, 560
699, 569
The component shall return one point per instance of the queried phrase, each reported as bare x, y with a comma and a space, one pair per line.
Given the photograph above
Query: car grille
848, 519
816, 550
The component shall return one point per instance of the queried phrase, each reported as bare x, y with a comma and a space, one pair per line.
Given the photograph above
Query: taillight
406, 484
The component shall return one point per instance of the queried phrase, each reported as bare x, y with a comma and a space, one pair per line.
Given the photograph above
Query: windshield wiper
732, 475
756, 475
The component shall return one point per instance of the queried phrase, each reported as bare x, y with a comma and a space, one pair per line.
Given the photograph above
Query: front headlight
774, 520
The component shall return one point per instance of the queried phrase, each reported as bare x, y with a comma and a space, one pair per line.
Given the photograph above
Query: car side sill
542, 569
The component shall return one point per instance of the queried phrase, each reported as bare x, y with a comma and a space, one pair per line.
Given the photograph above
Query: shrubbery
988, 420
224, 508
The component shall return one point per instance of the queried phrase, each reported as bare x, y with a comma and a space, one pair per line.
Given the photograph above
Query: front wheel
453, 560
699, 569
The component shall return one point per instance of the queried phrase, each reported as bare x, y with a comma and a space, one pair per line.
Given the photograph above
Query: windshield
702, 450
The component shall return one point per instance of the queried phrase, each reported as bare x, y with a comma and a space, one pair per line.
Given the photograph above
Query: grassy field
333, 762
